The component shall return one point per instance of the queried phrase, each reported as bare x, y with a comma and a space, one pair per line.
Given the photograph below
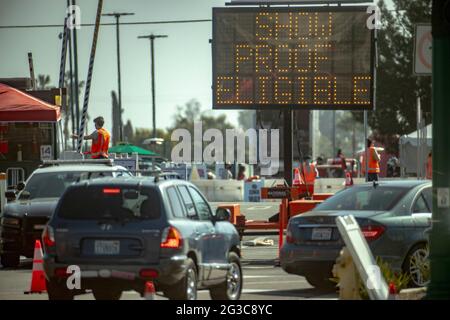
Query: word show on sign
279, 57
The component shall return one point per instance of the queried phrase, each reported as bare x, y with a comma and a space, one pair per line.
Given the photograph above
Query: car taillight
111, 191
61, 273
48, 237
148, 273
372, 232
289, 237
171, 238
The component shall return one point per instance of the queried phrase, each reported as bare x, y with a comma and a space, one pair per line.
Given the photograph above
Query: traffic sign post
423, 51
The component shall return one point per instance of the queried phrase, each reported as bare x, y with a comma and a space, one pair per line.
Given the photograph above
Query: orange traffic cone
348, 179
149, 293
37, 276
297, 179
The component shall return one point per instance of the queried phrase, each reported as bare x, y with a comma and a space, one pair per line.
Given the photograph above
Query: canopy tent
412, 137
18, 106
130, 148
409, 146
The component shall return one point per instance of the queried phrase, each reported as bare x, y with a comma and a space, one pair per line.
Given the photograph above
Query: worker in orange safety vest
374, 161
100, 140
308, 171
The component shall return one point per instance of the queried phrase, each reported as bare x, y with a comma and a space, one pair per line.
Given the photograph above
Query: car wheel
417, 265
186, 289
58, 291
231, 288
107, 294
10, 260
321, 282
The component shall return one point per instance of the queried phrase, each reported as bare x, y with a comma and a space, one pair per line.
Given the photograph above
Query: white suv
24, 218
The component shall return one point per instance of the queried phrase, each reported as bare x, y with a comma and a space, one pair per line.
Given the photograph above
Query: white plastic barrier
221, 190
233, 190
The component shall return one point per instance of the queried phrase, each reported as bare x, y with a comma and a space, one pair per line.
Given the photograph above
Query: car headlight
7, 221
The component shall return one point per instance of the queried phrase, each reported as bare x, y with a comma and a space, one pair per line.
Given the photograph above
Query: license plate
321, 234
107, 247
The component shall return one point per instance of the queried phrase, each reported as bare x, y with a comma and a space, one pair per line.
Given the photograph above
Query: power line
104, 24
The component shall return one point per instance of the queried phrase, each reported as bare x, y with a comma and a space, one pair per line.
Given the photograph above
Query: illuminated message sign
292, 57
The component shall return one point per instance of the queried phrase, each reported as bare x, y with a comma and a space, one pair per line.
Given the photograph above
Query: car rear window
364, 198
53, 184
115, 203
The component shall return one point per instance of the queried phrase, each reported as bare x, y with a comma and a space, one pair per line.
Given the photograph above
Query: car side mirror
20, 186
10, 195
222, 214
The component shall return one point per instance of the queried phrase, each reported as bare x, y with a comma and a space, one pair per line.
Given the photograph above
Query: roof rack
48, 163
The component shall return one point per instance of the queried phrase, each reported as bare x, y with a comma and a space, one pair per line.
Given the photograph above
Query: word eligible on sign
296, 57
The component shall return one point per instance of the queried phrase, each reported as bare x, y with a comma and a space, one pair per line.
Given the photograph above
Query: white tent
409, 146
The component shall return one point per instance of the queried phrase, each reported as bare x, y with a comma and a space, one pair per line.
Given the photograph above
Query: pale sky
183, 60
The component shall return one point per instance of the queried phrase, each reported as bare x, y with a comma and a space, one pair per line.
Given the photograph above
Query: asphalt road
262, 280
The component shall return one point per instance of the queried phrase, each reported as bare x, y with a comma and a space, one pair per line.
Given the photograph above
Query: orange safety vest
309, 175
100, 146
374, 165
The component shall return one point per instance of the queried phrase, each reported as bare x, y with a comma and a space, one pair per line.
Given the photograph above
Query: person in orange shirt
100, 140
308, 171
430, 166
374, 158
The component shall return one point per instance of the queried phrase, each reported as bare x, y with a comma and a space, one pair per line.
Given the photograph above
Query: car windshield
53, 184
364, 198
110, 203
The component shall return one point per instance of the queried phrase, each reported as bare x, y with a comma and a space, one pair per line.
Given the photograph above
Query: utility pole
117, 15
75, 62
152, 38
439, 287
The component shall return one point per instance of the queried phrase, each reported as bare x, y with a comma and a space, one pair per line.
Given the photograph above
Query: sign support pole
439, 287
366, 166
287, 146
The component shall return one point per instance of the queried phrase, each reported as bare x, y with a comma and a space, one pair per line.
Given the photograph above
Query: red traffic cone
348, 179
149, 293
297, 179
37, 276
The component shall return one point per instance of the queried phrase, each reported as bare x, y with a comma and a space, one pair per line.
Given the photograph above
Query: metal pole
366, 159
117, 15
72, 92
287, 146
89, 76
75, 56
30, 64
62, 70
152, 38
334, 134
439, 287
418, 146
